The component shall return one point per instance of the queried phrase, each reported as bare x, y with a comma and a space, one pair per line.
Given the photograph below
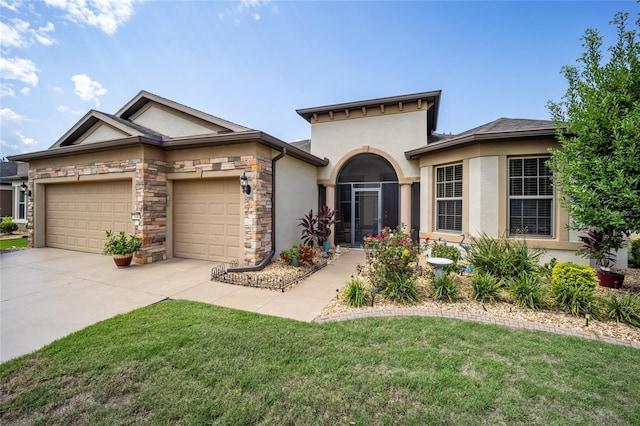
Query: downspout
271, 253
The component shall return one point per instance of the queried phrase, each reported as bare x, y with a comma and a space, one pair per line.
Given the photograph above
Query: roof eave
477, 138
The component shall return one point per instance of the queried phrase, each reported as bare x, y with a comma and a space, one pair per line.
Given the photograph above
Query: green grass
182, 362
14, 242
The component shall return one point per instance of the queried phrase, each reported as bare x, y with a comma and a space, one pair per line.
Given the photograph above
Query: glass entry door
365, 213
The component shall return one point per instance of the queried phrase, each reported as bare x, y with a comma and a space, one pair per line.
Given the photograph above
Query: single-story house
378, 163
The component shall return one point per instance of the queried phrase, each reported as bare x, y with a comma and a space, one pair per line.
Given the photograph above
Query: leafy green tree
597, 170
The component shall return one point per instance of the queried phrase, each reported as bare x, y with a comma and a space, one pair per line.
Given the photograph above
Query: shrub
634, 252
8, 226
392, 255
120, 244
573, 287
485, 287
625, 308
503, 257
445, 288
447, 252
356, 294
528, 290
402, 289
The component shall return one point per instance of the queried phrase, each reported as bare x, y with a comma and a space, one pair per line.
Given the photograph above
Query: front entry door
365, 214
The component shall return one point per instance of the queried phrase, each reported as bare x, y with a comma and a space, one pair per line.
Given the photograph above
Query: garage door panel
78, 214
205, 211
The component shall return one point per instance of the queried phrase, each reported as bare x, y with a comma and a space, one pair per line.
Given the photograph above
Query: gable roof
428, 97
144, 97
136, 134
500, 129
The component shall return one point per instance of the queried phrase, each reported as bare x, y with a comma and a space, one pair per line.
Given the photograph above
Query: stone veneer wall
151, 198
257, 205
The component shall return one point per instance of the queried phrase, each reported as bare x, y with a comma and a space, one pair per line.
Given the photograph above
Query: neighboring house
13, 194
377, 162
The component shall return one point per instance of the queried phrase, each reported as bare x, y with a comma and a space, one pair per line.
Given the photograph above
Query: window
449, 198
530, 197
20, 214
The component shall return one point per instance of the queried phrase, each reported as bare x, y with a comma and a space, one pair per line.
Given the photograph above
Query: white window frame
17, 195
530, 197
450, 198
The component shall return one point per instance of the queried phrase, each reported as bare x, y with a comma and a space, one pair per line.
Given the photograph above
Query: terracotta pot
122, 260
610, 279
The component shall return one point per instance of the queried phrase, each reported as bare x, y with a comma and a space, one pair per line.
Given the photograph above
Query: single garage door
207, 220
78, 214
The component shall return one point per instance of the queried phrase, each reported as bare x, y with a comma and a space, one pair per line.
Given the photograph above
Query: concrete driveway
48, 293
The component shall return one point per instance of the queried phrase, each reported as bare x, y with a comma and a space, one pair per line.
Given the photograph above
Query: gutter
260, 266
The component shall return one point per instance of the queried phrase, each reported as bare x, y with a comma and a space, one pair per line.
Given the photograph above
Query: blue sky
255, 62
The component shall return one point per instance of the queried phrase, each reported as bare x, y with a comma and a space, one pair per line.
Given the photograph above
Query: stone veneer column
151, 202
257, 211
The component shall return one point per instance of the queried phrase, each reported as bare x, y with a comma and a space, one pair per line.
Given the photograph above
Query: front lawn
14, 242
182, 362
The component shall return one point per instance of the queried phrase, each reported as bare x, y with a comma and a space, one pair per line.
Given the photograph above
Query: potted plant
121, 247
298, 255
600, 245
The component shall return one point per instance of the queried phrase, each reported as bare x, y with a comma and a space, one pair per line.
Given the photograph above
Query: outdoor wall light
244, 184
25, 189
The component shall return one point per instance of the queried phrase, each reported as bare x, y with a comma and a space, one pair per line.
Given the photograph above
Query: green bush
445, 288
402, 289
503, 257
625, 308
573, 287
356, 294
634, 252
447, 252
8, 226
528, 290
485, 287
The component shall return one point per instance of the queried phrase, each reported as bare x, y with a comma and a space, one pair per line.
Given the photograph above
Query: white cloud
19, 69
66, 109
6, 91
57, 89
27, 141
87, 89
26, 91
7, 114
107, 15
20, 34
244, 7
13, 5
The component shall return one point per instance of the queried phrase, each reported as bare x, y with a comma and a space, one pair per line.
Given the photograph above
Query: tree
597, 169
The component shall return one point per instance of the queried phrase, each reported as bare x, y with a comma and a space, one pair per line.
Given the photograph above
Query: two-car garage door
78, 214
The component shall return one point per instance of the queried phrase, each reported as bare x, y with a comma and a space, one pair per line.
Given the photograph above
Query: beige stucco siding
484, 196
387, 135
296, 194
102, 132
172, 123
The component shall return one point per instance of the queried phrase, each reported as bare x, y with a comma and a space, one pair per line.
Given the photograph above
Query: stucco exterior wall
102, 132
171, 124
391, 134
484, 200
296, 194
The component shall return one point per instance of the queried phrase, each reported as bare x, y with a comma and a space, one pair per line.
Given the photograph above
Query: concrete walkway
47, 293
